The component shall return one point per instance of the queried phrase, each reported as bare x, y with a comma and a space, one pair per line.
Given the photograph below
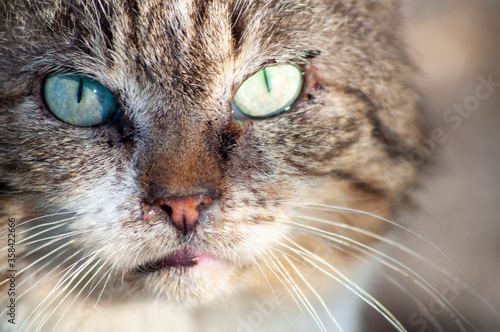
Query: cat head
183, 144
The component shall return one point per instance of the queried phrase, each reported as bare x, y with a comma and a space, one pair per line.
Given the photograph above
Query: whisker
415, 277
322, 207
29, 277
58, 223
430, 290
72, 233
57, 239
42, 267
380, 238
357, 290
388, 277
38, 260
37, 218
266, 279
447, 273
54, 239
78, 294
306, 303
73, 277
273, 270
37, 310
320, 299
103, 287
46, 277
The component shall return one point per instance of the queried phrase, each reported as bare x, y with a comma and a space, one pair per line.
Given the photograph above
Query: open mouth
184, 257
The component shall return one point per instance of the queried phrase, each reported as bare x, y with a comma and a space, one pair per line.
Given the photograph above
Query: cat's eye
79, 101
269, 92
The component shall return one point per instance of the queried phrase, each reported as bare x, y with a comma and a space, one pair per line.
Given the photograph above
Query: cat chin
192, 286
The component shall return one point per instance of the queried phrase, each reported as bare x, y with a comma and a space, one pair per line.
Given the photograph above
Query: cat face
179, 193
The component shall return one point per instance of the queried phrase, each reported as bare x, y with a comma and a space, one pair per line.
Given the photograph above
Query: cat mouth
183, 258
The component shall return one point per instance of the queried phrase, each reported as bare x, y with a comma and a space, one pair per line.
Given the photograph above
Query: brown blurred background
455, 43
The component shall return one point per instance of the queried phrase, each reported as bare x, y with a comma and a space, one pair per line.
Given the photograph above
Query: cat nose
184, 212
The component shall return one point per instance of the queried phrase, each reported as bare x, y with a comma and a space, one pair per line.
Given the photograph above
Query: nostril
167, 209
203, 206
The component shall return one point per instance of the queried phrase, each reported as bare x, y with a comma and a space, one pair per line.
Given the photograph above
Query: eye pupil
266, 80
80, 91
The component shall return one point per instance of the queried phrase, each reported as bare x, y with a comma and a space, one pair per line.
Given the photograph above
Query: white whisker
44, 279
55, 225
74, 276
361, 293
64, 235
323, 207
271, 288
303, 298
102, 265
40, 259
320, 299
35, 219
38, 309
104, 287
273, 270
409, 273
407, 250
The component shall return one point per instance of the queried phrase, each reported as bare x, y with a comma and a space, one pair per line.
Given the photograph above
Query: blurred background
456, 44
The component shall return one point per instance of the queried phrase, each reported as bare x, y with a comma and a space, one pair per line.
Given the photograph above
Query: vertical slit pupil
80, 90
265, 79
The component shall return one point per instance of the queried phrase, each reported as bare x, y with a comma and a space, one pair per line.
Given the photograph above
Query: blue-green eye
79, 101
270, 91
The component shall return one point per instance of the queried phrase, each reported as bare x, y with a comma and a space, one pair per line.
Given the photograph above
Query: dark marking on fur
335, 151
358, 184
237, 26
392, 145
311, 54
132, 11
107, 32
351, 126
118, 132
229, 137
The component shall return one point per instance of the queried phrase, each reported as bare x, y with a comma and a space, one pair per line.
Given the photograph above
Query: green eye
79, 101
269, 92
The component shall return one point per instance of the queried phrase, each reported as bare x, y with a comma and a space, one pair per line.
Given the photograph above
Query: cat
197, 164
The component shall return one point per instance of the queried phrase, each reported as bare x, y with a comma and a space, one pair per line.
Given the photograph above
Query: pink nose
184, 211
